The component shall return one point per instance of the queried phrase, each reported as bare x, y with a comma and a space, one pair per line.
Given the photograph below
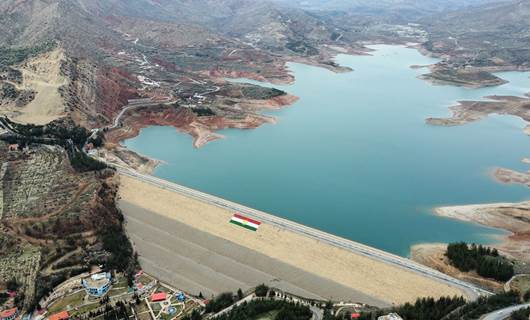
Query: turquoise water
354, 156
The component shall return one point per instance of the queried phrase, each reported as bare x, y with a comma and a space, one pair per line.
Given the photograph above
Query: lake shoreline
165, 170
513, 218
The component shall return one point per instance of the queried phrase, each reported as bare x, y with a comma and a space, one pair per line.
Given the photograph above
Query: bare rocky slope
491, 37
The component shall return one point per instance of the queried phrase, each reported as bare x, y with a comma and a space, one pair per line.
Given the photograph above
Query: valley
330, 114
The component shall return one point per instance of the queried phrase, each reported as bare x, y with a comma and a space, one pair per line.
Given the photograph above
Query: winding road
472, 291
504, 313
116, 122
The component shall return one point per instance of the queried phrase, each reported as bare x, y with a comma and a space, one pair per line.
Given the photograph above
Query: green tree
12, 285
262, 290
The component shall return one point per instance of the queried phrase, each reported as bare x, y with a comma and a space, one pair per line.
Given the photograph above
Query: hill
492, 35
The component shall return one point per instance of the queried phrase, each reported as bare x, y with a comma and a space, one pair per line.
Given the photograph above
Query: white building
390, 316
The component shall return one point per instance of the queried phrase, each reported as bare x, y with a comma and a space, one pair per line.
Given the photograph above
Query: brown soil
512, 177
513, 217
202, 129
42, 75
469, 111
433, 255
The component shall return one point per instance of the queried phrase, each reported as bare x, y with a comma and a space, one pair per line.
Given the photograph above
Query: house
9, 314
63, 315
89, 146
97, 285
158, 296
181, 297
13, 147
390, 316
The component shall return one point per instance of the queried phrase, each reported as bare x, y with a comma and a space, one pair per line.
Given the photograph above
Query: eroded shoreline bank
498, 175
514, 218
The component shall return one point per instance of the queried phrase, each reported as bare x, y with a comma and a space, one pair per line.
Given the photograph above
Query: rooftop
8, 313
158, 296
63, 315
97, 280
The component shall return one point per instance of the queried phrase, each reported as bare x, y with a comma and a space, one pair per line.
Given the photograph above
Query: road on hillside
504, 313
117, 120
472, 291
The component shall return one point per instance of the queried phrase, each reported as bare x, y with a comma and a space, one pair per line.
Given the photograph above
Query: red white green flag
245, 222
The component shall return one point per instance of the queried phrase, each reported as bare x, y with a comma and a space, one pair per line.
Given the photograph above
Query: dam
184, 237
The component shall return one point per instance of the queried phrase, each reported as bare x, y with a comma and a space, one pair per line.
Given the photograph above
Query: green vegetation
483, 305
301, 47
261, 93
118, 311
71, 300
122, 258
66, 134
8, 91
261, 290
195, 315
447, 308
203, 112
59, 130
422, 309
487, 262
45, 284
220, 302
83, 163
11, 56
252, 310
12, 285
3, 297
523, 314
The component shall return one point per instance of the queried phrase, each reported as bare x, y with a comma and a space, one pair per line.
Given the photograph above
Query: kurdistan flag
245, 222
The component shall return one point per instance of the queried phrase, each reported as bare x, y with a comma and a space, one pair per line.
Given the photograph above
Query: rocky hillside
490, 35
409, 10
58, 216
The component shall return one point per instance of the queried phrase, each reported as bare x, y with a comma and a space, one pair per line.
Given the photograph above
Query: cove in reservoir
354, 156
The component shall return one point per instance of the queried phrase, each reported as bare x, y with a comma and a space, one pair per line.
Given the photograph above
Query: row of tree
485, 261
447, 308
284, 310
422, 309
523, 314
483, 305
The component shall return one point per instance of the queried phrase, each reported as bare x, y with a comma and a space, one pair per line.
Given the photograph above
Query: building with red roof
9, 314
63, 315
158, 296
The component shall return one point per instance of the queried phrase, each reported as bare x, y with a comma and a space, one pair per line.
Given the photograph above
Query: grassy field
521, 283
71, 300
267, 316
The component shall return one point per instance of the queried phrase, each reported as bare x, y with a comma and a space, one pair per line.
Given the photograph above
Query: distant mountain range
492, 35
407, 9
483, 35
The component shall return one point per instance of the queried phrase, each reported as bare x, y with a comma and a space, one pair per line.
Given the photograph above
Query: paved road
128, 107
317, 312
472, 291
504, 313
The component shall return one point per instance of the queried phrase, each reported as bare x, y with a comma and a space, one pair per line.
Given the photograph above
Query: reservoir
354, 156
